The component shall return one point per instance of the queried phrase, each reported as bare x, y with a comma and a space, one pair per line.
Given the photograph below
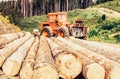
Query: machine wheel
47, 31
63, 31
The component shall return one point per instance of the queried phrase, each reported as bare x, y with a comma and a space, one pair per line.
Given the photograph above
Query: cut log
13, 63
108, 51
68, 63
21, 34
36, 32
4, 39
44, 66
28, 64
9, 77
112, 68
90, 68
94, 71
12, 47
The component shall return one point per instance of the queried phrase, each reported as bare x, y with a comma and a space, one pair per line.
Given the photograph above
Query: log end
46, 72
69, 65
26, 71
115, 73
9, 77
11, 68
95, 71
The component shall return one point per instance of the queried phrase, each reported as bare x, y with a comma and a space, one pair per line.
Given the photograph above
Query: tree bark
21, 34
31, 7
112, 68
44, 66
67, 5
13, 64
28, 64
67, 68
9, 77
12, 47
57, 6
108, 51
5, 39
46, 6
22, 8
90, 68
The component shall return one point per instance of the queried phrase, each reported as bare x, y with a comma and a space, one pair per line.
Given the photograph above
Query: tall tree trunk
67, 5
57, 5
31, 7
22, 8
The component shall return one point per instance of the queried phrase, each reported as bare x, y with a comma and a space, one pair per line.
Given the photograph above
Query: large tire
63, 31
47, 31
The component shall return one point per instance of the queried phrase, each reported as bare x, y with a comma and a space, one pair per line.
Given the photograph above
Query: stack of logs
28, 56
4, 28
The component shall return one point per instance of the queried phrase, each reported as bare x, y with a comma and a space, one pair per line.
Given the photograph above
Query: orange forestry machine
56, 24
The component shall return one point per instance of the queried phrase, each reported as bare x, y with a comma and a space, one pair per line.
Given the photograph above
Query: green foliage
114, 5
117, 37
12, 13
104, 29
28, 24
93, 32
6, 21
100, 26
99, 29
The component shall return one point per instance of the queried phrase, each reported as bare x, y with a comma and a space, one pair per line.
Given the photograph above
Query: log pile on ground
90, 67
4, 28
68, 64
12, 47
27, 67
100, 48
6, 38
112, 68
44, 66
13, 64
27, 56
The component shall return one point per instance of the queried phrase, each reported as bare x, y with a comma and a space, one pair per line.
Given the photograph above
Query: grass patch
28, 24
114, 5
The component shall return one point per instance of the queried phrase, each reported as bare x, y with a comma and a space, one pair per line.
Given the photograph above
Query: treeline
27, 8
